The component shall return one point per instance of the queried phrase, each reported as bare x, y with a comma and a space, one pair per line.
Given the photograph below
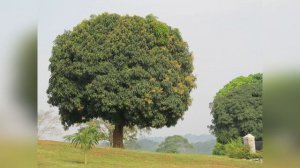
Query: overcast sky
224, 36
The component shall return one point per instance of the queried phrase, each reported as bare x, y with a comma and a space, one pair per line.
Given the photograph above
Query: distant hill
191, 137
199, 138
203, 143
155, 139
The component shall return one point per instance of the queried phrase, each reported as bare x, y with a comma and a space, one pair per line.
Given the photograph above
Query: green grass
52, 154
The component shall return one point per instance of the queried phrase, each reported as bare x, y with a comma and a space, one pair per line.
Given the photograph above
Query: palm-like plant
86, 139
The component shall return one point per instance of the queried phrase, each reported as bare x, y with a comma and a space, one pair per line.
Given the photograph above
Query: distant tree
132, 144
175, 144
47, 124
128, 70
237, 109
86, 139
147, 145
205, 147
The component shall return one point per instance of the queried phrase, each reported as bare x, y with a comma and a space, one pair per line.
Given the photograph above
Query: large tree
127, 70
237, 109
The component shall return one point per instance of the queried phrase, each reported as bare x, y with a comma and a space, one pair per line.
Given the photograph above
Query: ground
51, 154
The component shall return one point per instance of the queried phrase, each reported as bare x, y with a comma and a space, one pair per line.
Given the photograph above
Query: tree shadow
73, 161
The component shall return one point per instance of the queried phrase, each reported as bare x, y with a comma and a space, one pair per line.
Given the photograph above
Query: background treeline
188, 143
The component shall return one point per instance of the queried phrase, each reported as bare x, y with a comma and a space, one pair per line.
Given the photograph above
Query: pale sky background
224, 36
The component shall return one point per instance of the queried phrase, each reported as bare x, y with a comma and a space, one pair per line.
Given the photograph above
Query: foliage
175, 144
219, 149
238, 82
236, 149
127, 70
258, 154
86, 139
237, 109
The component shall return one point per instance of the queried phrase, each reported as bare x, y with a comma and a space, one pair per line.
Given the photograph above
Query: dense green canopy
237, 109
128, 70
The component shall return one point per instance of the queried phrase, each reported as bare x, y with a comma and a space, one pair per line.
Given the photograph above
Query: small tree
86, 139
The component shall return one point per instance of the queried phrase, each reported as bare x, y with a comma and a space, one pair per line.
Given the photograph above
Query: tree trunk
118, 136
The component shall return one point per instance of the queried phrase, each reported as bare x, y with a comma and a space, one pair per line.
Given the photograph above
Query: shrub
218, 149
257, 155
236, 149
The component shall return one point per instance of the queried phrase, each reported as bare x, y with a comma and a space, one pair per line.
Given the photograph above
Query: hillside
62, 155
191, 137
199, 138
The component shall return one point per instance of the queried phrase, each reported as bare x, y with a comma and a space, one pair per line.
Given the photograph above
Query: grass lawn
51, 154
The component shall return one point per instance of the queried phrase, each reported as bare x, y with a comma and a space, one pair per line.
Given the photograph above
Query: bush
218, 149
257, 155
236, 149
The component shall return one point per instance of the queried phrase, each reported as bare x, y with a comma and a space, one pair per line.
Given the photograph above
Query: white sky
224, 36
